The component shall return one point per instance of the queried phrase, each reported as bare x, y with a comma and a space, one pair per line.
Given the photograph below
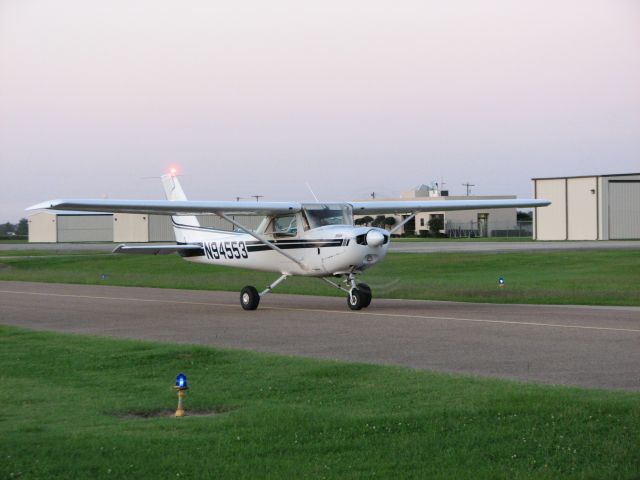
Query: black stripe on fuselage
289, 245
299, 240
257, 246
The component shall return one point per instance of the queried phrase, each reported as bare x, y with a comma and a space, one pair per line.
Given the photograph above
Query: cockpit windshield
323, 214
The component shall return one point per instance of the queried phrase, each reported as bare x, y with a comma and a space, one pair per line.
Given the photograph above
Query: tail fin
173, 191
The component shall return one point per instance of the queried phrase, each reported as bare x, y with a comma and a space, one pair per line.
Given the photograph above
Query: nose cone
375, 238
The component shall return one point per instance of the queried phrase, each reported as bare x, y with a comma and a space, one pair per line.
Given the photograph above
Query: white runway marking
342, 312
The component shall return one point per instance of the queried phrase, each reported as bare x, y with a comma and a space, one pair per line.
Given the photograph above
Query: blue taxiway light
181, 380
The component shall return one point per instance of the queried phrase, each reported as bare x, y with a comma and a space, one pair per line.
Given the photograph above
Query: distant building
597, 207
52, 227
60, 227
461, 223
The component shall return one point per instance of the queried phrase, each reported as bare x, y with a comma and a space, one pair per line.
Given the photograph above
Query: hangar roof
587, 176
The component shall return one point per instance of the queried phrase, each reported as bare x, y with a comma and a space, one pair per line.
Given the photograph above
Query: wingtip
43, 205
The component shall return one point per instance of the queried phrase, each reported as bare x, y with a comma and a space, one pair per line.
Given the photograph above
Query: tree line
435, 224
19, 229
380, 221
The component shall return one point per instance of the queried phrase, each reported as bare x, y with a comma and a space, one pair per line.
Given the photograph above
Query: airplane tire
366, 291
249, 298
355, 299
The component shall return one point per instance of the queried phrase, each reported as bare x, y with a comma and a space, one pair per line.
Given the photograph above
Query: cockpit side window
284, 226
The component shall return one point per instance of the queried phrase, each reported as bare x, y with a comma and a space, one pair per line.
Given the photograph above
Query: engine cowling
375, 238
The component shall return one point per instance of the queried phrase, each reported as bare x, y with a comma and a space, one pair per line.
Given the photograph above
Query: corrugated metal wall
42, 227
551, 221
160, 229
85, 228
582, 208
624, 209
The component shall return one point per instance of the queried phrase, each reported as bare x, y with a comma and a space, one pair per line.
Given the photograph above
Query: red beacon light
173, 171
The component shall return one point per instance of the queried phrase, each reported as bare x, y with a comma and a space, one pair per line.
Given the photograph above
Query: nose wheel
359, 297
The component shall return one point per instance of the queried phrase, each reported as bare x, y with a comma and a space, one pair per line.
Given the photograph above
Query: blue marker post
181, 387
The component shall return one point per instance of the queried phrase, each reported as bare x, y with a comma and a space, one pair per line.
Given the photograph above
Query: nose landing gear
358, 296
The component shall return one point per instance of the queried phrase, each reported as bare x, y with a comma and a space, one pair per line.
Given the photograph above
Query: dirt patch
167, 413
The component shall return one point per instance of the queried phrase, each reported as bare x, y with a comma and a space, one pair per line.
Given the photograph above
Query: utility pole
468, 185
257, 197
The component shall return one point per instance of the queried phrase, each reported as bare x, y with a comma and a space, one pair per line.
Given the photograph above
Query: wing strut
263, 239
408, 219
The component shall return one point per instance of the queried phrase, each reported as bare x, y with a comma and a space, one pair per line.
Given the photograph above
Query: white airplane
307, 239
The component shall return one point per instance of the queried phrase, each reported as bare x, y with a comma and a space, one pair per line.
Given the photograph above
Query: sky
97, 98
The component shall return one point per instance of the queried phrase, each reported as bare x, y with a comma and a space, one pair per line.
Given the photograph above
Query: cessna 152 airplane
309, 239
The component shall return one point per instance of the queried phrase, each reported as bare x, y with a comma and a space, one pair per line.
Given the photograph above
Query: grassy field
70, 404
603, 277
463, 239
49, 253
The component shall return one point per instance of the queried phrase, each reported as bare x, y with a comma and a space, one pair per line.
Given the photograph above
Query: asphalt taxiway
583, 346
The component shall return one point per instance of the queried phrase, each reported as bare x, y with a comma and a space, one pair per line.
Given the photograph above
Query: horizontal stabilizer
158, 249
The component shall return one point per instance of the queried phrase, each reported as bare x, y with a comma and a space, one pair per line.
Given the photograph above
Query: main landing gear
250, 298
358, 294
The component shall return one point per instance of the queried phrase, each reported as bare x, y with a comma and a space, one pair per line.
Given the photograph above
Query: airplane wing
415, 206
191, 207
158, 249
170, 207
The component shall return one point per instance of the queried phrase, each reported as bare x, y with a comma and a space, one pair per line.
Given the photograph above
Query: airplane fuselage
321, 252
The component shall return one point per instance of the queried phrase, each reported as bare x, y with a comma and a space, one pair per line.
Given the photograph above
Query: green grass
602, 277
66, 398
49, 253
464, 239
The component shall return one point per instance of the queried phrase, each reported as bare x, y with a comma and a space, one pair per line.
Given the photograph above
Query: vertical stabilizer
173, 191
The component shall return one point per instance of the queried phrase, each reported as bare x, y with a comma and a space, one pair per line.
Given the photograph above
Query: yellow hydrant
181, 387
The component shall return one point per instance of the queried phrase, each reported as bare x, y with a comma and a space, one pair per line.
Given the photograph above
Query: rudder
173, 191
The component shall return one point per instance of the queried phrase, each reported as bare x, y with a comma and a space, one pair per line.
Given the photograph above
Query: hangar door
85, 228
624, 209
